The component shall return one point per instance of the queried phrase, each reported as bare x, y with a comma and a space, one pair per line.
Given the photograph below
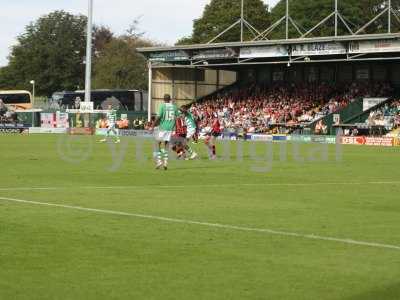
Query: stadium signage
125, 132
368, 141
80, 131
260, 138
318, 49
279, 138
214, 54
11, 125
299, 138
169, 56
374, 46
318, 139
103, 132
13, 130
267, 51
86, 107
37, 130
379, 141
138, 133
321, 139
371, 102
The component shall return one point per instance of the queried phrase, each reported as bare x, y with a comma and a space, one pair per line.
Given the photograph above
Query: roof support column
150, 93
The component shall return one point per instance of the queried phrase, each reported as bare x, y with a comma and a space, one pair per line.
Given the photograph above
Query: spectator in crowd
3, 108
123, 123
136, 124
321, 128
102, 122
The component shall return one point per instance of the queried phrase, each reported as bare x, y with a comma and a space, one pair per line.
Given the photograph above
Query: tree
102, 35
307, 14
50, 51
220, 14
120, 66
7, 79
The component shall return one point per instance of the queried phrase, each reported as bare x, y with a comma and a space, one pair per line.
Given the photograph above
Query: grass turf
59, 253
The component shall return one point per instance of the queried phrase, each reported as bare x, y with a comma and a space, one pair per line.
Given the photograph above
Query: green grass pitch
310, 227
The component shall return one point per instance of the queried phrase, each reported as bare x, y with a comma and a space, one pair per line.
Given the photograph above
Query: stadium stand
259, 109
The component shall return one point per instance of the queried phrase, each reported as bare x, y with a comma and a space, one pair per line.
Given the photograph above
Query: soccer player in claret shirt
180, 137
210, 140
165, 121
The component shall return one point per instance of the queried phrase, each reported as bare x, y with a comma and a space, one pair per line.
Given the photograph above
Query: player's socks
164, 156
189, 150
166, 161
159, 159
192, 154
214, 150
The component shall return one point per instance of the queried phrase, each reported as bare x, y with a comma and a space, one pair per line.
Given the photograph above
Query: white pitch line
197, 185
215, 225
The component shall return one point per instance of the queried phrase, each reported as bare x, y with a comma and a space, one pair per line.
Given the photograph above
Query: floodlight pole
88, 73
241, 21
33, 101
390, 16
336, 17
287, 19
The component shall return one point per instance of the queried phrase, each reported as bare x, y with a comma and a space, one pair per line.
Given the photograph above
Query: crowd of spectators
387, 116
262, 109
7, 116
123, 123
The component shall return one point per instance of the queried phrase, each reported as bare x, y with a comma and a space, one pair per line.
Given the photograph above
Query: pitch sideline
206, 224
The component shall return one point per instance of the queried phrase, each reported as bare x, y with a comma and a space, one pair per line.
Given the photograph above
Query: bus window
138, 101
129, 100
19, 99
145, 97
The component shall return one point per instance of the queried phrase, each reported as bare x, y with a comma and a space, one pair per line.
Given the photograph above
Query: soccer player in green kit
112, 121
191, 130
165, 121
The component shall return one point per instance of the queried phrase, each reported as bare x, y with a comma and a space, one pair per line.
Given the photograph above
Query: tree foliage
307, 14
220, 14
102, 35
120, 66
51, 52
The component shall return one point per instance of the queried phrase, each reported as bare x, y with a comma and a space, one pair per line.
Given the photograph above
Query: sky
163, 20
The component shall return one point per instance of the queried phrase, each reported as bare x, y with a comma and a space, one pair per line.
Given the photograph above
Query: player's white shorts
163, 136
190, 133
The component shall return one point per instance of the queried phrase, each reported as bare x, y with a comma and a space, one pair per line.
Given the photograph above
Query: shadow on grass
390, 292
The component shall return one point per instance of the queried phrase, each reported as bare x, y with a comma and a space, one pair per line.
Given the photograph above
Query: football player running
166, 121
213, 132
111, 125
191, 128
